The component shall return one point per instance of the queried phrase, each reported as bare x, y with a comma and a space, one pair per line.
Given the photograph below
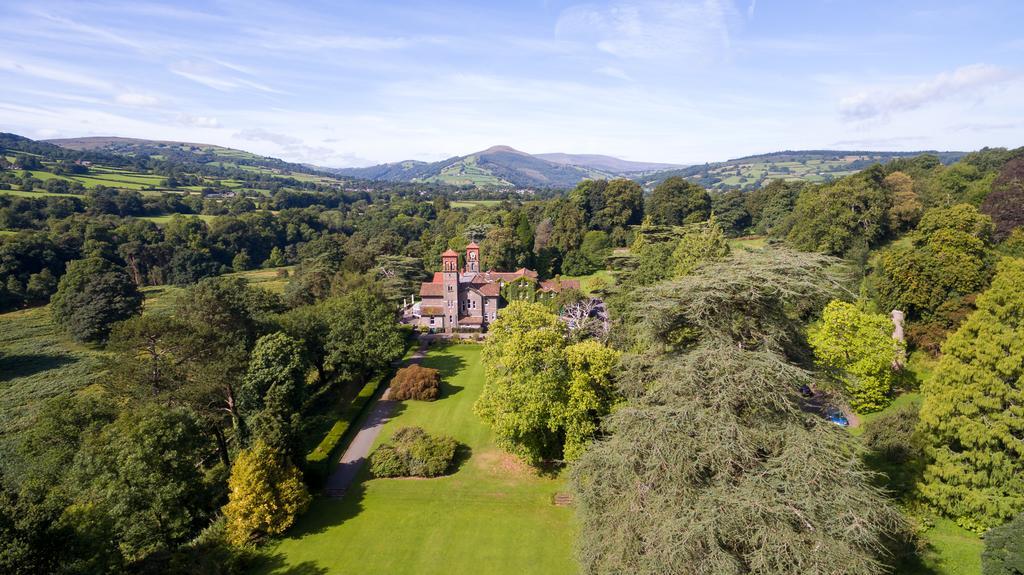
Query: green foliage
271, 395
363, 334
589, 257
266, 494
138, 481
906, 206
542, 397
949, 256
416, 382
591, 394
93, 295
971, 418
858, 345
1004, 549
712, 467
676, 201
896, 449
701, 243
838, 217
412, 452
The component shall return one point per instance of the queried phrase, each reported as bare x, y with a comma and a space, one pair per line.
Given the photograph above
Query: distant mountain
751, 172
180, 151
497, 166
608, 164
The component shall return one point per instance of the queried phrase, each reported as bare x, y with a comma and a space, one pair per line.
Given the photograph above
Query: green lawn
589, 283
493, 515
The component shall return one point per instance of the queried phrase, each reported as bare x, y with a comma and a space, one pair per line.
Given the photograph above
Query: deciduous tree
92, 296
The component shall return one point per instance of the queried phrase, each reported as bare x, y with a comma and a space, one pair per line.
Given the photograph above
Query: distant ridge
505, 166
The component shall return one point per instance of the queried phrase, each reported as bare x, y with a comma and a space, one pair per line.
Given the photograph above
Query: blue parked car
836, 417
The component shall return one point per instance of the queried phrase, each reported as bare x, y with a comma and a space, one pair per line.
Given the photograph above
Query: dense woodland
684, 423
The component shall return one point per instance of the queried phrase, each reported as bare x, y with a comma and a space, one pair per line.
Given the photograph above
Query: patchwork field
493, 515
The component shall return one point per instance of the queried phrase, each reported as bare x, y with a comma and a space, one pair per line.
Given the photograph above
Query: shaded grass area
37, 362
492, 515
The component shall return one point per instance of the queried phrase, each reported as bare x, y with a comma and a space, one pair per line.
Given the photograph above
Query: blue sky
355, 83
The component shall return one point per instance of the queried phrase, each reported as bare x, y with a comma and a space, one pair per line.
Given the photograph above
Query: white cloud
614, 72
881, 103
198, 121
687, 29
215, 74
55, 74
137, 99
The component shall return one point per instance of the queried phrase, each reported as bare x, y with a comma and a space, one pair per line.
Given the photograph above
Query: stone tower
450, 271
473, 258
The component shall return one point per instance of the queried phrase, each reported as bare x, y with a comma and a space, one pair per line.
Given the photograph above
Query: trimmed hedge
318, 462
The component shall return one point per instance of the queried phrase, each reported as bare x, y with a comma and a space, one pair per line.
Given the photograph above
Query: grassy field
491, 516
594, 281
37, 362
160, 220
37, 194
750, 243
470, 204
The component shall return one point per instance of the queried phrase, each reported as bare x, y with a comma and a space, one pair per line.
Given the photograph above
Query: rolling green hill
751, 172
495, 167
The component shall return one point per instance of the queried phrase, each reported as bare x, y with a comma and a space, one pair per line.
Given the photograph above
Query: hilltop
495, 167
815, 166
189, 152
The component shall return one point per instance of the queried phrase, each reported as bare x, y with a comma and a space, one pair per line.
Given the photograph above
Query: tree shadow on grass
463, 453
26, 364
276, 564
448, 364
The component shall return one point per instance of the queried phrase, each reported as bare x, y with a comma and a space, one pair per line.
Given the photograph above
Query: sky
357, 83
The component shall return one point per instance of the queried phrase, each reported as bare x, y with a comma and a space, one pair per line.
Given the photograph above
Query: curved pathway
359, 449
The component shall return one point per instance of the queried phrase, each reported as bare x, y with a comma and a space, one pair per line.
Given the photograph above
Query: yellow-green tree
701, 243
543, 397
972, 417
266, 494
591, 393
859, 345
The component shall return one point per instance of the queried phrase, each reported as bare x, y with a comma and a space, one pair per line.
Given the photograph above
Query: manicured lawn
491, 516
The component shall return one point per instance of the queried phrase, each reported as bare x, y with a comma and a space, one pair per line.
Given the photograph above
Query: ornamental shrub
416, 382
1004, 549
413, 453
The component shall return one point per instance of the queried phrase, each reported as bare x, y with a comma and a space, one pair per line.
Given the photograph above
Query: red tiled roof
431, 289
557, 286
472, 245
438, 277
471, 320
450, 253
488, 289
432, 311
